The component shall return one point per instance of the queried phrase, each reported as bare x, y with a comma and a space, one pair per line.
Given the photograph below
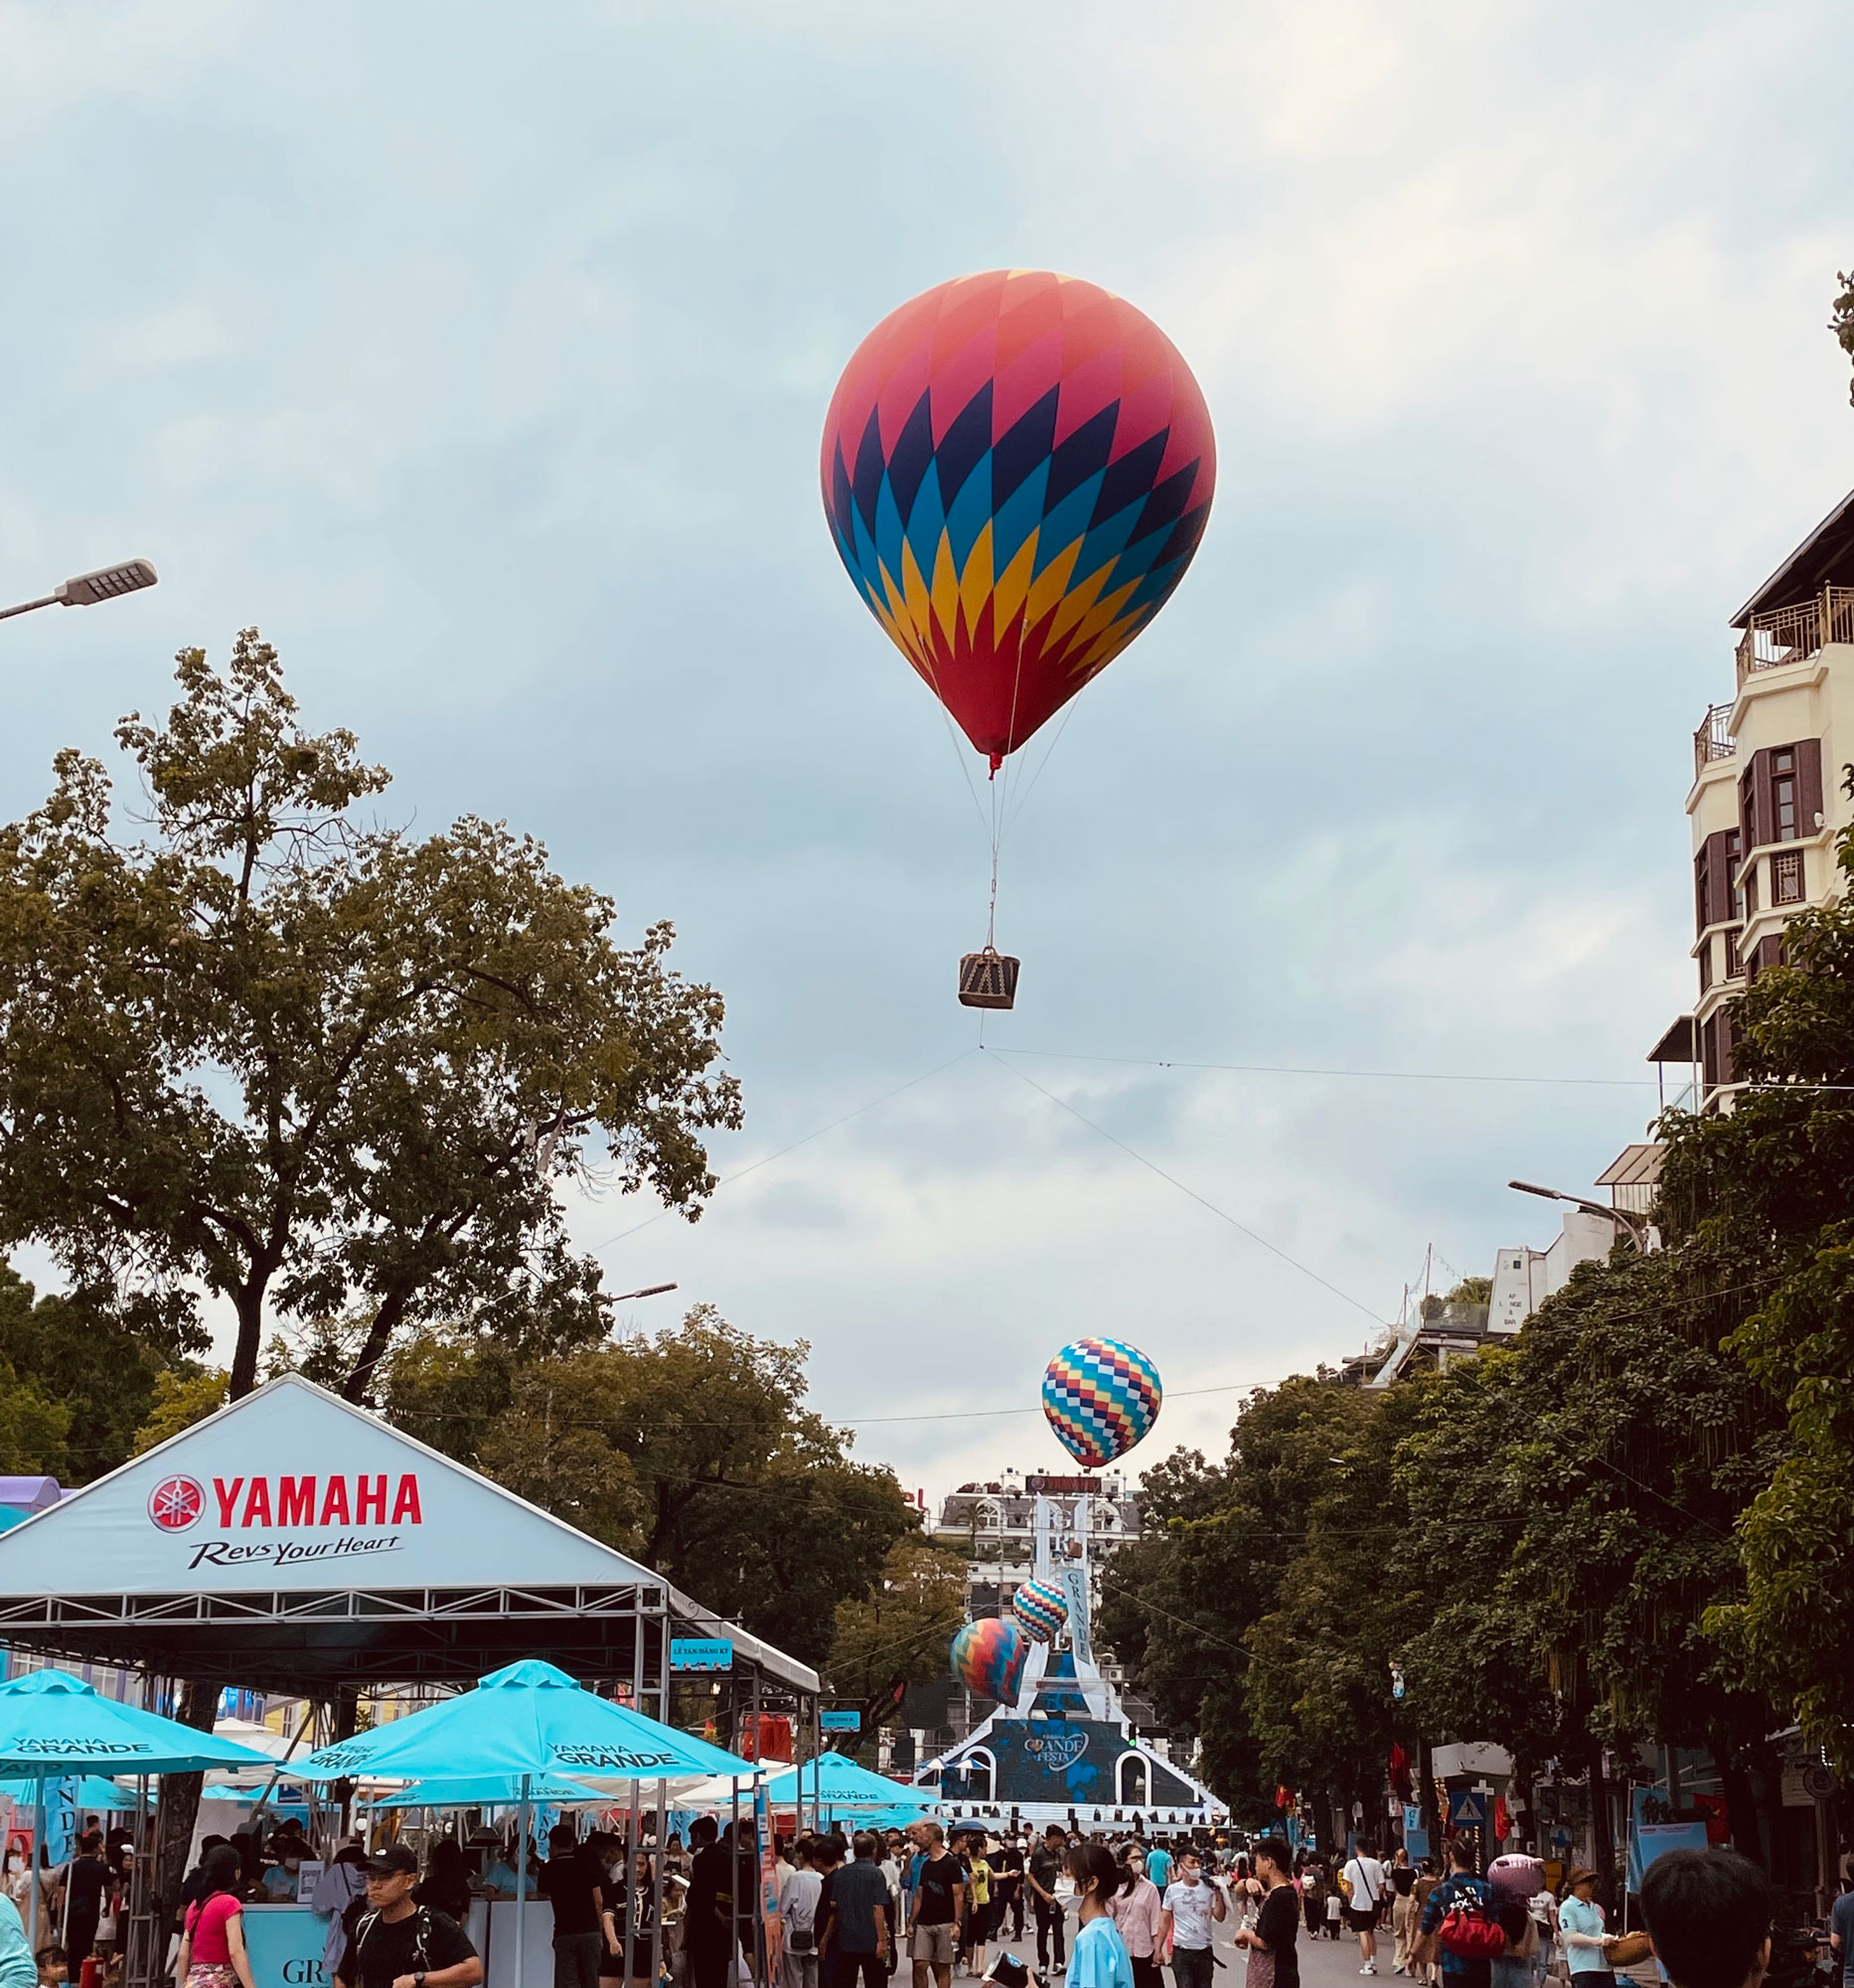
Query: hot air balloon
1043, 1609
1016, 468
989, 1658
1101, 1397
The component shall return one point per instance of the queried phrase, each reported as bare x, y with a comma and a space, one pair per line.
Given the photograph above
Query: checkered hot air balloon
1101, 1397
1043, 1610
989, 1658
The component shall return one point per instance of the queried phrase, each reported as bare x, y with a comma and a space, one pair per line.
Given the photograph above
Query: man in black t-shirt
84, 1883
710, 1916
1279, 1921
572, 1883
939, 1903
1045, 1867
1007, 1886
398, 1945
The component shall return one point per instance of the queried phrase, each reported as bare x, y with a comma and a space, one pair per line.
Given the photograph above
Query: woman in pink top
212, 1942
1135, 1910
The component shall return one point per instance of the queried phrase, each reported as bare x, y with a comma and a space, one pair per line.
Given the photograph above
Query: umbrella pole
38, 1858
521, 1882
656, 1895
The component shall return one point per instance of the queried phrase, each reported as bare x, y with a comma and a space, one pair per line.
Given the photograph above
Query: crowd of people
849, 1911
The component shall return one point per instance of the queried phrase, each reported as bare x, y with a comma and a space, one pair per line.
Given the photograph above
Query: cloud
485, 372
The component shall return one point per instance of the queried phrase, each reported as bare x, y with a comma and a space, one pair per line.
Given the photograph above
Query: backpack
1468, 1932
421, 1933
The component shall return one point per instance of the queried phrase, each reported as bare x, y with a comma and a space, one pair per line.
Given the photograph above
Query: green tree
182, 1396
690, 1448
1772, 1184
1842, 320
899, 1632
314, 1065
99, 1376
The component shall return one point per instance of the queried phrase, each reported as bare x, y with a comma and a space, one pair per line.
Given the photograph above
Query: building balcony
1713, 738
1781, 635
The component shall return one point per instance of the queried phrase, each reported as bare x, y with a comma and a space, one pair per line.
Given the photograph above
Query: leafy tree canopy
689, 1448
313, 1065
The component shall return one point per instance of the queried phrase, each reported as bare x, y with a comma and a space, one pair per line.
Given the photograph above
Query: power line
1311, 1070
1222, 1215
768, 1160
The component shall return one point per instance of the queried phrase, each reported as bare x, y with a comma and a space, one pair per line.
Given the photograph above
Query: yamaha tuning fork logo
177, 1503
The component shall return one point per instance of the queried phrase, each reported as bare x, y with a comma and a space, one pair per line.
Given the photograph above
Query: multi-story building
992, 1527
1772, 788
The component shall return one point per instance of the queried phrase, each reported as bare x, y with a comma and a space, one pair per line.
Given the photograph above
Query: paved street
1325, 1963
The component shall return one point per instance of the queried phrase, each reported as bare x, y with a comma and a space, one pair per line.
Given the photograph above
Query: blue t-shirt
1583, 1915
1100, 1958
1841, 1925
1159, 1868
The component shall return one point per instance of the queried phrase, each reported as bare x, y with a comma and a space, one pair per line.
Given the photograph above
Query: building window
1750, 892
1709, 1052
1784, 795
1731, 852
1787, 877
1705, 964
1731, 968
1748, 809
1702, 896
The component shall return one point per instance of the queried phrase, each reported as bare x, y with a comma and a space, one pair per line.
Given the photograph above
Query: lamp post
1633, 1224
648, 1291
105, 584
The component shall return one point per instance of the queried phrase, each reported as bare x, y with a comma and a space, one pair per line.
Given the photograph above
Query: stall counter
286, 1944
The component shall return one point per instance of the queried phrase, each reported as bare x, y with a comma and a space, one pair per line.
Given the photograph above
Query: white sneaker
1370, 1967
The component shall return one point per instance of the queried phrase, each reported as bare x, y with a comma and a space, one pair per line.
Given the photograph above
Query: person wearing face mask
1192, 1903
1135, 1909
1100, 1958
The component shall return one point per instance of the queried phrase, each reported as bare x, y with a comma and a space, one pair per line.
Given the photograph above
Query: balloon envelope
1043, 1609
1101, 1397
1016, 468
989, 1658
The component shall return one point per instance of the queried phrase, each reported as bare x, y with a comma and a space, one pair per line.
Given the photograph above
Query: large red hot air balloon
1018, 468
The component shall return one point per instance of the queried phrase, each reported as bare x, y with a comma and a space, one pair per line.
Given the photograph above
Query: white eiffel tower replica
1066, 1751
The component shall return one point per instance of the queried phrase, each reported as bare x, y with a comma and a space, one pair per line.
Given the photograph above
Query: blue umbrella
90, 1791
490, 1791
837, 1785
53, 1723
525, 1719
532, 1720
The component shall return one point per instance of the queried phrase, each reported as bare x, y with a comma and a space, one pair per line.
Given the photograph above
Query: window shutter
1709, 1051
1725, 1045
1809, 784
1748, 817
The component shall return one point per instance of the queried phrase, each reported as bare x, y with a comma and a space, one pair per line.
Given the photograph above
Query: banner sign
840, 1722
701, 1654
292, 1488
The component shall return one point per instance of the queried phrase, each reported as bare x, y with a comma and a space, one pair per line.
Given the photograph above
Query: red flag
1284, 1796
1502, 1819
1400, 1771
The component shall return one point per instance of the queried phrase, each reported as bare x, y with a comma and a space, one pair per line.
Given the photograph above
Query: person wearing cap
1582, 1927
398, 1944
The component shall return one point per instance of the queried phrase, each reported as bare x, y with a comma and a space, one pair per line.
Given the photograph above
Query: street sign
840, 1722
1468, 1808
701, 1654
1416, 1841
1818, 1781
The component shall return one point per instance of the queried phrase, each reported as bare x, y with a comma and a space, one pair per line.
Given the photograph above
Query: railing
1712, 741
1787, 877
1794, 634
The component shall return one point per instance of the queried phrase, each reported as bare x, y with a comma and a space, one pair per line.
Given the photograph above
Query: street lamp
107, 583
648, 1291
1633, 1224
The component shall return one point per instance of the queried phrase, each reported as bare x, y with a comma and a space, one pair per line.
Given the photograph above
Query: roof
1676, 1045
1824, 558
1633, 1166
292, 1541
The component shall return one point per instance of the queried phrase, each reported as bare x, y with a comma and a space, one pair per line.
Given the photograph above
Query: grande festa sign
286, 1521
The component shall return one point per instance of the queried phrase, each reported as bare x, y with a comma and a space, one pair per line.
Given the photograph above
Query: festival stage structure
1065, 1751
